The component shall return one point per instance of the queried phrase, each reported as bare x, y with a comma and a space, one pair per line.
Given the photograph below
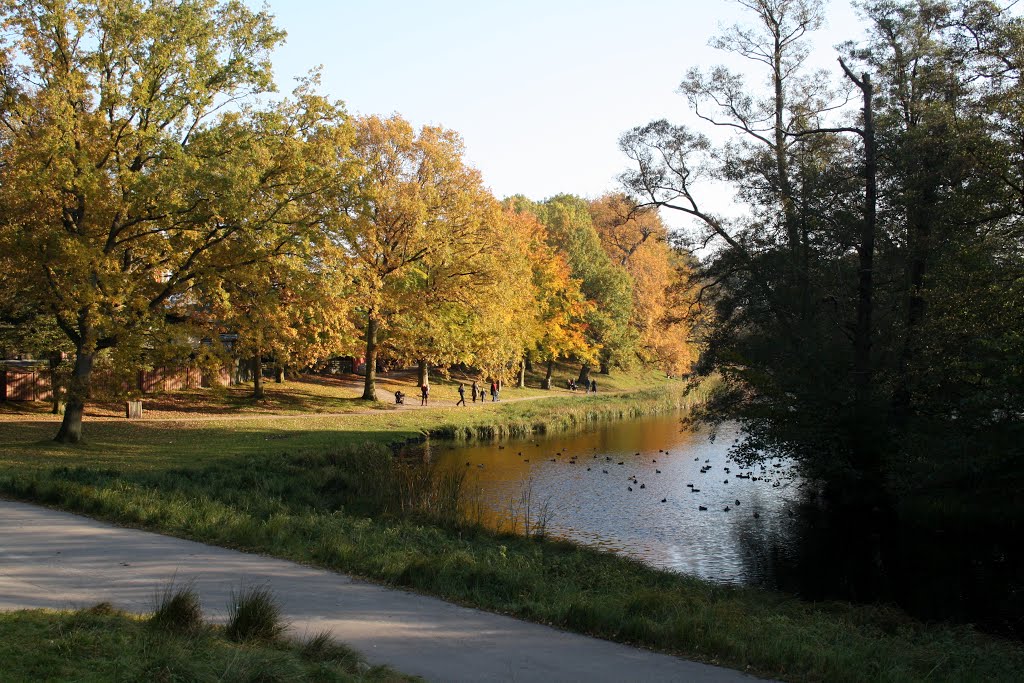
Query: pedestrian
462, 394
424, 393
586, 387
475, 393
494, 391
593, 385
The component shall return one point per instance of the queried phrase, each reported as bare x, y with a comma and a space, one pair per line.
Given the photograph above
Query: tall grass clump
254, 613
177, 609
322, 647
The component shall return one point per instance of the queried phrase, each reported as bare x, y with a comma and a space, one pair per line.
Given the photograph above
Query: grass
254, 614
177, 610
102, 644
324, 490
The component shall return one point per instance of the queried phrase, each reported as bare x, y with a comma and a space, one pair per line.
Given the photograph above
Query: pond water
627, 488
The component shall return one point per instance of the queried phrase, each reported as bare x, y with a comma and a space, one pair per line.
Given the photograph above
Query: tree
413, 227
555, 329
286, 294
116, 163
877, 355
636, 238
605, 284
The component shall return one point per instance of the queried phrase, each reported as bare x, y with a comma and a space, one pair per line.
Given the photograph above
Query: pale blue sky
539, 91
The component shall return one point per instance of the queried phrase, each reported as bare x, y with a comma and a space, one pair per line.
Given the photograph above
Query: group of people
588, 387
478, 391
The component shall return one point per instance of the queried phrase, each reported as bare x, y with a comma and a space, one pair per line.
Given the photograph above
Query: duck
622, 462
695, 490
701, 508
726, 481
657, 471
588, 469
757, 515
737, 501
605, 471
726, 508
664, 500
643, 486
630, 488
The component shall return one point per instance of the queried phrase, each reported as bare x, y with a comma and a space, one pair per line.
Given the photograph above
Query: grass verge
102, 644
341, 510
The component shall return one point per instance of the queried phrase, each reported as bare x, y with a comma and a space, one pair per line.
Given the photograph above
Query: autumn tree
554, 327
636, 238
285, 292
604, 283
415, 228
112, 153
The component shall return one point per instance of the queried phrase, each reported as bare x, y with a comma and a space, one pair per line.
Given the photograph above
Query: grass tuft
323, 648
177, 609
254, 613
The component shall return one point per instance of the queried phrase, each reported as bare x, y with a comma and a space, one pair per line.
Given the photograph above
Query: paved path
56, 560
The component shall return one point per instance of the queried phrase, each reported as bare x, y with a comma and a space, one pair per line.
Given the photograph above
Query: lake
626, 488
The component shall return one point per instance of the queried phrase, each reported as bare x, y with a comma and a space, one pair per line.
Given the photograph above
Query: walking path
56, 560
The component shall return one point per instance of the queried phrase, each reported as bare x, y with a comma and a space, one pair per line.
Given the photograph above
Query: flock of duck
767, 475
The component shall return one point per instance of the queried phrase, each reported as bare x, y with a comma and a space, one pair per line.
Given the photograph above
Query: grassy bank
102, 644
320, 489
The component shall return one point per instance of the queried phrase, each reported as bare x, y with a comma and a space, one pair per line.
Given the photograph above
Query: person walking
424, 393
593, 386
462, 394
475, 391
494, 391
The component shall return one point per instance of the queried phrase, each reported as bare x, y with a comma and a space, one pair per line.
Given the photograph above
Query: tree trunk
370, 384
279, 374
55, 388
584, 377
521, 383
529, 364
71, 426
866, 254
605, 364
422, 373
257, 376
546, 384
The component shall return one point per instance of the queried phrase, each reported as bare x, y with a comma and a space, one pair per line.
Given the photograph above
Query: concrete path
56, 560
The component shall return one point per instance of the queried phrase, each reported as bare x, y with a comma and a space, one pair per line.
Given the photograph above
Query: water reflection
638, 488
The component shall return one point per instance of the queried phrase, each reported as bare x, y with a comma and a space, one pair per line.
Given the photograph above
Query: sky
539, 91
